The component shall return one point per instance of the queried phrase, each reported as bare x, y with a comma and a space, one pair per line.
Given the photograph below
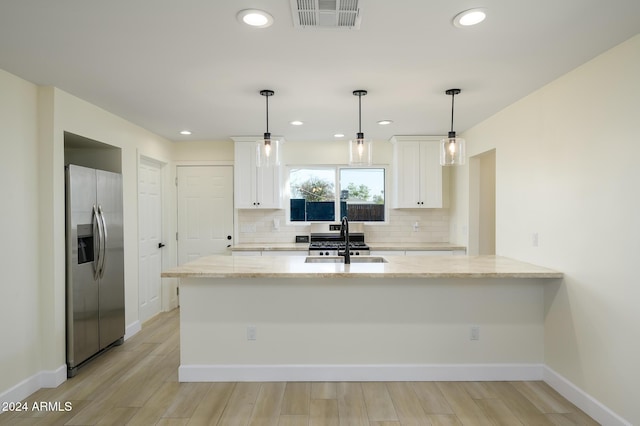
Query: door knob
228, 237
160, 245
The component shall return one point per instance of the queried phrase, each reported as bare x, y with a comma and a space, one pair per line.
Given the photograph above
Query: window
329, 193
313, 195
362, 194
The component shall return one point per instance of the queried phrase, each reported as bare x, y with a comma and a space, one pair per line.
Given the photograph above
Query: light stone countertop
397, 267
271, 247
399, 246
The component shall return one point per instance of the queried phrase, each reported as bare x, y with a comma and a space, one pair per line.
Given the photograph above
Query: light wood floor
137, 384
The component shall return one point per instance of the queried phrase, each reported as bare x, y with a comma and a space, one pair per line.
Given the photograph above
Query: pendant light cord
267, 99
360, 113
452, 99
453, 93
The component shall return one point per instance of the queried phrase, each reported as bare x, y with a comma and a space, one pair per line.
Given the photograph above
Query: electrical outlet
474, 333
252, 332
534, 239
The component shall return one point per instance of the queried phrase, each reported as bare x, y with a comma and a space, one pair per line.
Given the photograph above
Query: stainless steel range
325, 240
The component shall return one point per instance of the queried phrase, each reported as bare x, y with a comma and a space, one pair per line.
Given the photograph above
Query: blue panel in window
321, 211
298, 210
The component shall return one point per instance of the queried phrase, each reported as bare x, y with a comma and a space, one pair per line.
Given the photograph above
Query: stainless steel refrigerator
95, 263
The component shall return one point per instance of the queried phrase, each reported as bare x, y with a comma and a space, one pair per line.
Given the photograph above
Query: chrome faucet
344, 233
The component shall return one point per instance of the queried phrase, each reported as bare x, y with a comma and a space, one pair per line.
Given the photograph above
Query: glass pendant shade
267, 149
267, 152
452, 150
360, 151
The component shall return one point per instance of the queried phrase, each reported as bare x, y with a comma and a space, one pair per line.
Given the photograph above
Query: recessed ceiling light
470, 17
185, 132
385, 122
338, 135
255, 18
296, 123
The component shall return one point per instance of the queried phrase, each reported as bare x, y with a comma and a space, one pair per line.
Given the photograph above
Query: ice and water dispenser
85, 243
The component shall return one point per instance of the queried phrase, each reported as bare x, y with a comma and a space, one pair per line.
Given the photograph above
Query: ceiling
170, 65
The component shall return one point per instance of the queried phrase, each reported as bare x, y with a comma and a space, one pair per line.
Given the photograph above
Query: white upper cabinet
254, 187
417, 174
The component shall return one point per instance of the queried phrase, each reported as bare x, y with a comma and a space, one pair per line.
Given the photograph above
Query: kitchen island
410, 318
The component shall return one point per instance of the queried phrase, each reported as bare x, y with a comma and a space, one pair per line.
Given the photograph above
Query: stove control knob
357, 253
321, 253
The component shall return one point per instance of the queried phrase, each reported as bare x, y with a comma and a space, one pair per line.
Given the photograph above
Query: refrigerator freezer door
109, 201
82, 288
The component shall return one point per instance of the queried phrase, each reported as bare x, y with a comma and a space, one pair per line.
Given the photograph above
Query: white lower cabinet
270, 253
418, 253
386, 252
285, 253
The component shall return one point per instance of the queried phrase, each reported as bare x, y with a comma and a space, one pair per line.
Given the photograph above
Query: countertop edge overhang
396, 267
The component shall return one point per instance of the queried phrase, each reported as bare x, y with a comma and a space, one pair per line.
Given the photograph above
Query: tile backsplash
412, 225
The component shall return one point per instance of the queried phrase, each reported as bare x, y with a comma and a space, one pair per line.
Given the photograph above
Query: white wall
203, 151
32, 257
82, 118
19, 282
567, 168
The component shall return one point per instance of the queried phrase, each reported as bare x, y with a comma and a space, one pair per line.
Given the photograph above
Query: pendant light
360, 149
267, 148
451, 147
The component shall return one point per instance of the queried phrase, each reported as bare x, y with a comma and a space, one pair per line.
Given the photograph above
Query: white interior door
205, 211
150, 234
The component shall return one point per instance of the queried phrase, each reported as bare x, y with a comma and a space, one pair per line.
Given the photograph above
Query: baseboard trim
594, 408
132, 329
359, 373
42, 379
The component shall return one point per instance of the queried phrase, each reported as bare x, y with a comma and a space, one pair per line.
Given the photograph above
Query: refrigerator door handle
104, 238
97, 243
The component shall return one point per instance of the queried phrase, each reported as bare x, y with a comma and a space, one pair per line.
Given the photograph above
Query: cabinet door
245, 175
285, 253
407, 175
418, 174
431, 175
268, 191
387, 253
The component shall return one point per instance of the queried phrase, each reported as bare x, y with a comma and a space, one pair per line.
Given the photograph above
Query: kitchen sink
340, 259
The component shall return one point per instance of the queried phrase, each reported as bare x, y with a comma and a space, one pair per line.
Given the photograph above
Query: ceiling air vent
326, 14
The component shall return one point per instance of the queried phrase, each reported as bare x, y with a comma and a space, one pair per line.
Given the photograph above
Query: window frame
336, 169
